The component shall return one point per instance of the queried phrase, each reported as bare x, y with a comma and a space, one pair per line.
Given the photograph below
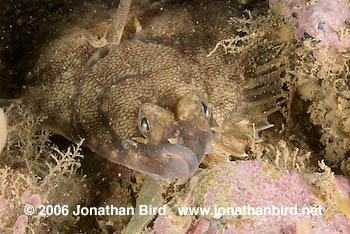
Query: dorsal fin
114, 35
118, 23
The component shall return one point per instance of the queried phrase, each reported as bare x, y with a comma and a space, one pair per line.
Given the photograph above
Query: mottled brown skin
95, 93
156, 124
194, 114
190, 127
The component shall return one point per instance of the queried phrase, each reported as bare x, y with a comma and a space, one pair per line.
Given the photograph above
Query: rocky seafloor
302, 162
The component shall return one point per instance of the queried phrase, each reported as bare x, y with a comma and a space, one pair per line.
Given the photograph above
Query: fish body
93, 89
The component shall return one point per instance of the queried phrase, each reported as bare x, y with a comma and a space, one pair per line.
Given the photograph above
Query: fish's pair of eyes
146, 127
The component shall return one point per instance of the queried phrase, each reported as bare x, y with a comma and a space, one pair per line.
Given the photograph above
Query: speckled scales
122, 86
95, 93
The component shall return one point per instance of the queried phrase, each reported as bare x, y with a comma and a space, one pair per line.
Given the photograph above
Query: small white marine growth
3, 129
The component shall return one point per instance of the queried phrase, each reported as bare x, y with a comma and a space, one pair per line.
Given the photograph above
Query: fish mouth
176, 160
197, 140
179, 159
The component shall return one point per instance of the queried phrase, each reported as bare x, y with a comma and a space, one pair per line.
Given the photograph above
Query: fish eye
206, 110
144, 124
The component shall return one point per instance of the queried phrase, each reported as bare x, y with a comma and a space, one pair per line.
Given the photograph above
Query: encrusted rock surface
258, 186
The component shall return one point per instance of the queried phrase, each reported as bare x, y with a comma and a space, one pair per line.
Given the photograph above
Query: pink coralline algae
22, 221
255, 197
27, 199
325, 21
209, 197
20, 225
3, 208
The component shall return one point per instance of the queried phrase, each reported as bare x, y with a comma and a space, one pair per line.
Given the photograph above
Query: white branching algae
3, 129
